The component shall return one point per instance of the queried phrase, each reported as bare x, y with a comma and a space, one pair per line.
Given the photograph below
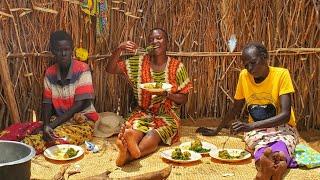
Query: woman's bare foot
123, 152
266, 169
128, 125
281, 169
122, 129
131, 139
280, 165
278, 156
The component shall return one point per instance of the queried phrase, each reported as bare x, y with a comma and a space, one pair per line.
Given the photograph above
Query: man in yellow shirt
266, 93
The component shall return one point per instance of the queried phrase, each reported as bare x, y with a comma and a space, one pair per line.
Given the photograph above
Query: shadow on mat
133, 166
247, 161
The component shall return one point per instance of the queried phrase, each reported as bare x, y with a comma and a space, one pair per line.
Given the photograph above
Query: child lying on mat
271, 133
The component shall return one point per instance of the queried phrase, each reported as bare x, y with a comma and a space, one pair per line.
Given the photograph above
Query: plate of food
198, 146
180, 156
156, 87
63, 152
230, 155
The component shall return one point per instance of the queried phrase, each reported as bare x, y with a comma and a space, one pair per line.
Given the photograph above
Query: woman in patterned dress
156, 119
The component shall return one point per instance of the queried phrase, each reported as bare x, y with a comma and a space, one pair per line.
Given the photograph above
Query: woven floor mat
207, 168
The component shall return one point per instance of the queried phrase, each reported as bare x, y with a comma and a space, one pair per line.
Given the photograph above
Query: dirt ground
311, 136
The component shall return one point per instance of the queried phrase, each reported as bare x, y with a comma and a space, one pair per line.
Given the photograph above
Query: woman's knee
154, 135
149, 143
152, 138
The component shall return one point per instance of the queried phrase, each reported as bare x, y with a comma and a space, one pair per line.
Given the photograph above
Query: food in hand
179, 155
197, 147
224, 154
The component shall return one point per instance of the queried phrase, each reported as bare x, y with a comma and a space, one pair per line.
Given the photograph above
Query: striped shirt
79, 87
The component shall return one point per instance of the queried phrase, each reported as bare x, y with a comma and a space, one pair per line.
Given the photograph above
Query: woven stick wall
198, 32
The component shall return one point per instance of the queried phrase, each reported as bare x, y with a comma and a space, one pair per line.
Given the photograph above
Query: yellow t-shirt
262, 99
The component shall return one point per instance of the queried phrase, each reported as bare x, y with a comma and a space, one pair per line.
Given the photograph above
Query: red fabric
93, 116
85, 89
18, 131
47, 94
63, 103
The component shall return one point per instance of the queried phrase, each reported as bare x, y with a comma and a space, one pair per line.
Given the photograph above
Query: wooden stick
317, 8
278, 52
225, 92
157, 175
225, 72
2, 111
191, 118
7, 86
15, 27
60, 174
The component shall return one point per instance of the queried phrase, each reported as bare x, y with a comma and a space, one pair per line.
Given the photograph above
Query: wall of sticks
198, 32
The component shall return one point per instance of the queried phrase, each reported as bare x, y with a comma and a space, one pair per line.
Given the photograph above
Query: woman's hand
238, 127
112, 66
47, 133
128, 45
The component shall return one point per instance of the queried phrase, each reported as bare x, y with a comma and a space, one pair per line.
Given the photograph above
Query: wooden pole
7, 86
277, 52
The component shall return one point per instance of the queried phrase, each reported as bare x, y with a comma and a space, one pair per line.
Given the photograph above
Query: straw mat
207, 168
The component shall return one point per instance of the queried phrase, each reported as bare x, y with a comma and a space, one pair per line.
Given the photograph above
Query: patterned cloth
278, 146
261, 138
263, 99
306, 156
96, 8
79, 88
157, 112
76, 131
18, 131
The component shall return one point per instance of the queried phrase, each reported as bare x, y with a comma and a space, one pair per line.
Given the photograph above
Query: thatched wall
193, 26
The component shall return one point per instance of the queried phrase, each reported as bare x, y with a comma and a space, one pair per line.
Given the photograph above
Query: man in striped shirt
67, 111
68, 85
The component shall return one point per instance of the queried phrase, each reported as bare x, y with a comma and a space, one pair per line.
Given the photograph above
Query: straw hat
108, 124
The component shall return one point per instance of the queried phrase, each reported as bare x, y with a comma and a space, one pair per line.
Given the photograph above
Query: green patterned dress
156, 112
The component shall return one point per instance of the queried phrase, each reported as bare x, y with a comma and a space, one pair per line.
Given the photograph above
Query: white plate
56, 152
165, 87
232, 152
167, 155
206, 145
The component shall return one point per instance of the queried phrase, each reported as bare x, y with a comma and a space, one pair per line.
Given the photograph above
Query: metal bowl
15, 160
